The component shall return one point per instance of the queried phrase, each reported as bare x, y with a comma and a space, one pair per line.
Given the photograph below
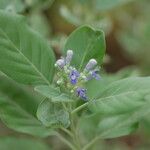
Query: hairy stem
64, 140
86, 147
80, 108
67, 131
73, 131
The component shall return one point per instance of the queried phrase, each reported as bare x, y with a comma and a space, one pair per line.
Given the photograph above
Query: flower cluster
73, 81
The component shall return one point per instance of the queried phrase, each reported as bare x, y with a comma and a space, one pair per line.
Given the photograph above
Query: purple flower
94, 74
91, 64
74, 75
81, 92
60, 63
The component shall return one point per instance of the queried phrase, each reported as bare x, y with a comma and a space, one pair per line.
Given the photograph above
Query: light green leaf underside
18, 108
52, 114
137, 84
121, 103
116, 126
24, 54
124, 124
14, 143
96, 87
107, 126
86, 44
122, 96
115, 118
53, 93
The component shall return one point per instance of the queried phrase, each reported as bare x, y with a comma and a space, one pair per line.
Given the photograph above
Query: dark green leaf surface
52, 114
53, 93
24, 54
18, 109
86, 44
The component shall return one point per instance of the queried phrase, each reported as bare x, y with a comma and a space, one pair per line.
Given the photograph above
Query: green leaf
122, 96
24, 54
123, 124
96, 87
116, 126
53, 93
86, 43
18, 109
52, 114
107, 126
14, 143
88, 125
120, 103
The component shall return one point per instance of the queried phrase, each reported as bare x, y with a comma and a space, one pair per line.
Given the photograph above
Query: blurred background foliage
126, 24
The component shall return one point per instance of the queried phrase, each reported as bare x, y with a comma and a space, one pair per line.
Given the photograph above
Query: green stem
73, 131
64, 140
67, 131
64, 106
86, 147
79, 108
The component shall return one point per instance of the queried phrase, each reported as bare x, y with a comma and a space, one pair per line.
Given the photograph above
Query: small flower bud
72, 91
58, 82
91, 64
83, 76
60, 63
67, 71
81, 92
94, 74
69, 56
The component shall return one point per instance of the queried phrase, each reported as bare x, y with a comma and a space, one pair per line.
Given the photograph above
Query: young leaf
52, 114
18, 109
86, 44
53, 93
14, 143
122, 96
24, 54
